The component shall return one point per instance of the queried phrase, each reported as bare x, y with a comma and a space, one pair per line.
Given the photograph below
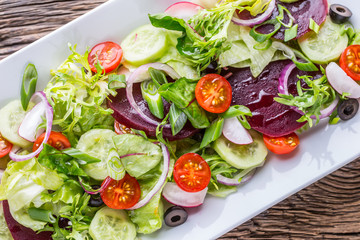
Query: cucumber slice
242, 156
97, 143
112, 224
11, 117
327, 45
144, 45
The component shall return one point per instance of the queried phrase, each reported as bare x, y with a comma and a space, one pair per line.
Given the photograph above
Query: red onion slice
161, 181
141, 74
235, 132
183, 10
246, 176
29, 126
175, 195
257, 20
49, 119
283, 89
99, 190
341, 82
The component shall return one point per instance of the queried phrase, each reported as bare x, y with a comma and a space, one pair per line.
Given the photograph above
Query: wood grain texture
328, 209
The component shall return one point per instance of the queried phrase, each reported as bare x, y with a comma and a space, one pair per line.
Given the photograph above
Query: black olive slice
175, 216
339, 14
95, 200
348, 109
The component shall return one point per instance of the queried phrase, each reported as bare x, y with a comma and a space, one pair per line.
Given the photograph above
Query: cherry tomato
282, 145
121, 129
121, 194
191, 172
109, 55
5, 146
350, 61
213, 93
56, 140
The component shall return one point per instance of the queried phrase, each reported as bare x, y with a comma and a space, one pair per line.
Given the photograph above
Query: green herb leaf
213, 132
150, 93
28, 85
177, 119
82, 157
235, 111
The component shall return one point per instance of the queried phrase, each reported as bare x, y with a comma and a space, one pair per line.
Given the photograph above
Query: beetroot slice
269, 117
126, 115
302, 11
18, 231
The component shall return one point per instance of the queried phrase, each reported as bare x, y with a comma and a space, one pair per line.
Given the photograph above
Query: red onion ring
161, 181
49, 113
103, 186
235, 181
183, 10
175, 195
235, 132
259, 19
341, 82
283, 89
29, 126
141, 74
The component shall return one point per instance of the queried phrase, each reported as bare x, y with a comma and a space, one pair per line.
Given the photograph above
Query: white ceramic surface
323, 149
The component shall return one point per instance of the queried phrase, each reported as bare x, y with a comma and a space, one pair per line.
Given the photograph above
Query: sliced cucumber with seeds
112, 224
327, 45
97, 143
144, 45
11, 116
242, 156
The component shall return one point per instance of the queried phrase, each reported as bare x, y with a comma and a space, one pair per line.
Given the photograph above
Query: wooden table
330, 208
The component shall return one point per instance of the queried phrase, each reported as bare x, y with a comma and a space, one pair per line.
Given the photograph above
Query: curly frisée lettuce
77, 96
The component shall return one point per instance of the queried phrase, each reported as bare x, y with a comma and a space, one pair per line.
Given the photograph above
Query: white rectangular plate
323, 149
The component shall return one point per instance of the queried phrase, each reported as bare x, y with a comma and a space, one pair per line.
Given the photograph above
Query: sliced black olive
339, 14
95, 200
175, 216
348, 109
64, 222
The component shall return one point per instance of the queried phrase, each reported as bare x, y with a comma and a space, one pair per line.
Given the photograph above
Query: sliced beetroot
18, 231
269, 117
302, 11
127, 116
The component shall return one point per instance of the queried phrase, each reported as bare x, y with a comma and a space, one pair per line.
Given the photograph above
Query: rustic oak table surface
328, 209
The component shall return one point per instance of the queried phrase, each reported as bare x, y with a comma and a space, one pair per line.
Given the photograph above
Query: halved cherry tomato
109, 55
5, 146
56, 140
191, 172
121, 194
213, 93
121, 129
282, 145
350, 61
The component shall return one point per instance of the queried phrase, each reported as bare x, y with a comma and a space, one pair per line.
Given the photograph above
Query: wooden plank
328, 209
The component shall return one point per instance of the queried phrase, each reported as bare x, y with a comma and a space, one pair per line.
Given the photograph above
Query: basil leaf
213, 132
28, 85
81, 156
235, 111
177, 119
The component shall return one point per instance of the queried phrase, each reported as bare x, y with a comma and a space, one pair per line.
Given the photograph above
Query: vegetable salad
127, 136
